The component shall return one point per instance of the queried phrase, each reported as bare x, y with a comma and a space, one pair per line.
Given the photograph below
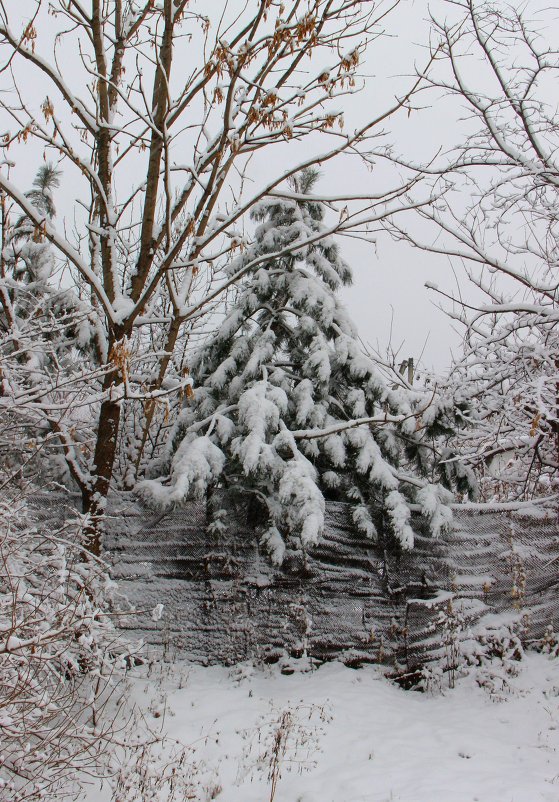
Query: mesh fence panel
348, 599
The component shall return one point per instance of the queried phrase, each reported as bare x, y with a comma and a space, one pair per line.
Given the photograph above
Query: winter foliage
177, 330
497, 220
165, 152
287, 408
61, 659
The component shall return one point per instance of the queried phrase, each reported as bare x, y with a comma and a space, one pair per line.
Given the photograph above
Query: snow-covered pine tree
287, 408
45, 332
29, 286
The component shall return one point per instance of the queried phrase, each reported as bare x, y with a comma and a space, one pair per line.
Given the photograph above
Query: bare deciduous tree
170, 125
497, 217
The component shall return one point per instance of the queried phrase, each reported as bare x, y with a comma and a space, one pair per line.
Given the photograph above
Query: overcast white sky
389, 300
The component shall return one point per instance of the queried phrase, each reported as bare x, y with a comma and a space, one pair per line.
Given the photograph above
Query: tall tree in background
163, 146
499, 220
287, 409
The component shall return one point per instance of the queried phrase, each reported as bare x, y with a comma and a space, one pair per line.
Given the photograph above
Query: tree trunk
94, 499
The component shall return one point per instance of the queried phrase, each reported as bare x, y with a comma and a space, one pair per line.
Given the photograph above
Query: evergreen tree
47, 335
287, 409
59, 319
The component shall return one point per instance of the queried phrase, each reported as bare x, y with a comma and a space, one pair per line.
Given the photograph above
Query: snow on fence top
224, 602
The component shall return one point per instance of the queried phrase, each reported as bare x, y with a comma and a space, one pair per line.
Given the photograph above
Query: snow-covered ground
345, 735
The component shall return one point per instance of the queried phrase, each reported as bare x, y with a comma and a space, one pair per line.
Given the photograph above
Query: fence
224, 602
